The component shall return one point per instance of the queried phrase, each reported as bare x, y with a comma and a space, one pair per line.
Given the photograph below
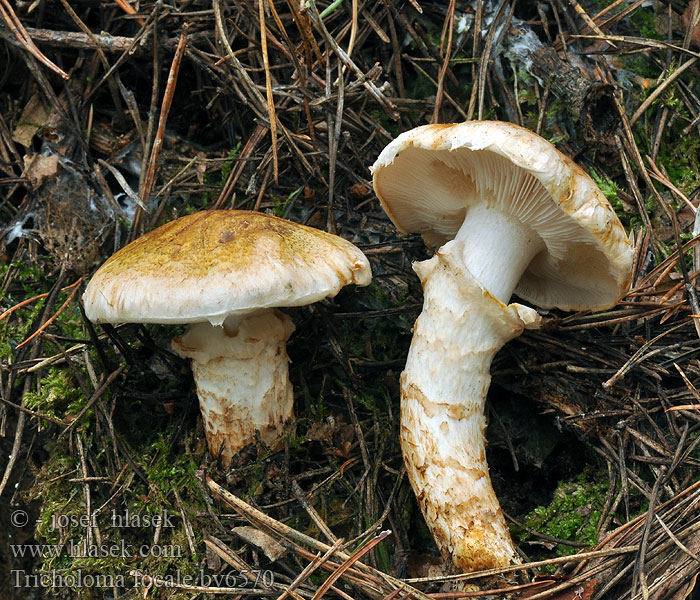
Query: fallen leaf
262, 541
33, 117
38, 168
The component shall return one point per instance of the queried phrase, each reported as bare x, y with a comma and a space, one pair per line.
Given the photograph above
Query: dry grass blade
534, 565
449, 27
149, 181
676, 541
348, 62
51, 319
639, 356
683, 407
587, 20
268, 89
315, 517
128, 9
641, 42
6, 313
661, 89
318, 561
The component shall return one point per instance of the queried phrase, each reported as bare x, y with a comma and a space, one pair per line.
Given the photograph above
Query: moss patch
572, 515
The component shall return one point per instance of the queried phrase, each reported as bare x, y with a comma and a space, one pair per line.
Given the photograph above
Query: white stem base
242, 376
443, 391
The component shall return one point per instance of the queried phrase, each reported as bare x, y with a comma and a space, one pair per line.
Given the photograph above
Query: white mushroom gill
242, 376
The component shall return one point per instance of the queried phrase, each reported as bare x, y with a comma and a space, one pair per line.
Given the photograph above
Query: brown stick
104, 41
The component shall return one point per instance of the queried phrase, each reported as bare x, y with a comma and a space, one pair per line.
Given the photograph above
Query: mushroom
223, 272
510, 214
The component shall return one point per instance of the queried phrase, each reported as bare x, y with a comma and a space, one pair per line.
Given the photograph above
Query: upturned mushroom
223, 272
509, 214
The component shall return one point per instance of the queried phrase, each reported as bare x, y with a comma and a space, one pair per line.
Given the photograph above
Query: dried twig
16, 27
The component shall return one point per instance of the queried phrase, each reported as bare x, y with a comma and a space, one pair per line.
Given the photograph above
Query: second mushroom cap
430, 178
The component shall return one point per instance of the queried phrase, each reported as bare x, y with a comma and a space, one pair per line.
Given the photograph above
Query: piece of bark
691, 20
590, 103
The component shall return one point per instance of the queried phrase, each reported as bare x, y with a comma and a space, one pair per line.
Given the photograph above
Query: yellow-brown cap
215, 263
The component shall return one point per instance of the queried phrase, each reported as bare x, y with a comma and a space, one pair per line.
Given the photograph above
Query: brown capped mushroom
223, 272
509, 213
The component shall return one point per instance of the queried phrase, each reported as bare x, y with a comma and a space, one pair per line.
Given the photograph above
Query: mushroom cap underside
216, 263
429, 177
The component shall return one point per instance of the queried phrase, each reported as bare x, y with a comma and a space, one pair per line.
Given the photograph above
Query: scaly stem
242, 376
443, 391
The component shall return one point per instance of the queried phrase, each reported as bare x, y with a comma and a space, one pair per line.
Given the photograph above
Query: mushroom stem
497, 248
242, 376
443, 391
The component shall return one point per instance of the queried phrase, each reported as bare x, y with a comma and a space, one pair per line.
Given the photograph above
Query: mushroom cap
428, 177
216, 263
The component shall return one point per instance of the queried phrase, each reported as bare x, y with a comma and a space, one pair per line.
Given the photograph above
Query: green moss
680, 160
640, 64
608, 187
167, 469
572, 515
25, 282
125, 544
644, 21
161, 453
59, 395
15, 329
